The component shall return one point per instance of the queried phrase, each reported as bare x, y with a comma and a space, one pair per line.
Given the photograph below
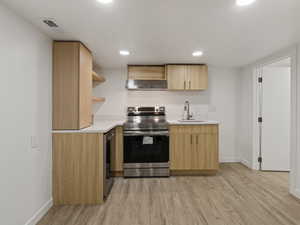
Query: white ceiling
168, 31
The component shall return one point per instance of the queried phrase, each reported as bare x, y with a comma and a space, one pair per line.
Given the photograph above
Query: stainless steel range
146, 143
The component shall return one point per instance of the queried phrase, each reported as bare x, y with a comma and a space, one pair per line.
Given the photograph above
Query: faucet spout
187, 109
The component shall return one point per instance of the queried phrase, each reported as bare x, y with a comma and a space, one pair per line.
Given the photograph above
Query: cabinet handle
184, 84
191, 139
197, 139
190, 84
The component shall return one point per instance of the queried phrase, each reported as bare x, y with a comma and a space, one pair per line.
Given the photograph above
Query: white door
276, 114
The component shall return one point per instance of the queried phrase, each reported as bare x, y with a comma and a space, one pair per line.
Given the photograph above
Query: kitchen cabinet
117, 156
180, 147
78, 168
197, 77
176, 76
187, 77
194, 148
140, 72
82, 166
72, 85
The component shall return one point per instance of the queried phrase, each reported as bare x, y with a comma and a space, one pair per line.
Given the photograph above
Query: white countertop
206, 122
103, 126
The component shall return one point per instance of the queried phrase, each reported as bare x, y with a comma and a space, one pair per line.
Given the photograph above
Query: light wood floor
236, 196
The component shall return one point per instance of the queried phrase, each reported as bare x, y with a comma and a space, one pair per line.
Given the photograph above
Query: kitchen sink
198, 121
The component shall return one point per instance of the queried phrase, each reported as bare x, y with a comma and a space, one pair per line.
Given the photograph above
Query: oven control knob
130, 109
162, 109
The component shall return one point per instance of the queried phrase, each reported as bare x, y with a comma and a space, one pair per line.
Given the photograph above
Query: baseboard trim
246, 163
296, 193
229, 160
40, 213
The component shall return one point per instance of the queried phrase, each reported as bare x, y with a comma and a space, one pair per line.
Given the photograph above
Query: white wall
217, 103
292, 52
245, 116
25, 95
295, 160
247, 110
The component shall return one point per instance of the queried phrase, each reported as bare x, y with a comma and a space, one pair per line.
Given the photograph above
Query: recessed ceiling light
124, 52
197, 53
244, 2
105, 1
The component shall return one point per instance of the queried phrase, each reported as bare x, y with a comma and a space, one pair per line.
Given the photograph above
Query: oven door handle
146, 133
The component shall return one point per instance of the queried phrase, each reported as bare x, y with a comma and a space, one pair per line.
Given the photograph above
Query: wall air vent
50, 23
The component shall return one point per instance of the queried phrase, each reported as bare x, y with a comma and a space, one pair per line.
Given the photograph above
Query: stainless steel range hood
147, 85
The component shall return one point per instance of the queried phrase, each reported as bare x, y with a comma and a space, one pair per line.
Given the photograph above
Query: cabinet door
206, 154
180, 147
72, 86
146, 73
85, 87
196, 77
77, 168
117, 156
65, 81
213, 145
176, 77
197, 150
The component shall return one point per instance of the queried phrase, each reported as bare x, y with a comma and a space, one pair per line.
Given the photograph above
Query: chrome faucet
187, 110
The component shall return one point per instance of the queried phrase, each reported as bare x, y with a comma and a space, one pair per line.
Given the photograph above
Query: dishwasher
108, 151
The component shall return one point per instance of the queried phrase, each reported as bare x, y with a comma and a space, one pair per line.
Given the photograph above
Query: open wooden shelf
98, 78
98, 99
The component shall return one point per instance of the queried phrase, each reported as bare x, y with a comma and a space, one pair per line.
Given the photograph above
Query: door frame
287, 53
259, 101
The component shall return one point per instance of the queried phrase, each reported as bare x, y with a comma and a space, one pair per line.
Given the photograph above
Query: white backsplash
100, 117
173, 112
218, 103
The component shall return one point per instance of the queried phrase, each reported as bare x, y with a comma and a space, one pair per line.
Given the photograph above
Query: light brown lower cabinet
117, 156
77, 168
194, 149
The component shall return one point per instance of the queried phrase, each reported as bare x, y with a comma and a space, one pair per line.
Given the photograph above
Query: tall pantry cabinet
72, 85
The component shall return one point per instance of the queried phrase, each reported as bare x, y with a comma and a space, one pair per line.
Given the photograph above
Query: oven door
144, 148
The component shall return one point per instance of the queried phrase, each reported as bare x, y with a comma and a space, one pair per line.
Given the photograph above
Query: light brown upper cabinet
197, 77
72, 85
176, 76
136, 72
187, 77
